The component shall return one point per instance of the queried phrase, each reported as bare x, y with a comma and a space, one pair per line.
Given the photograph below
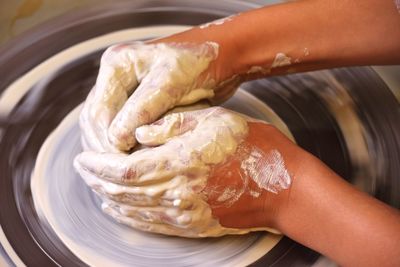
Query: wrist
222, 68
305, 169
286, 160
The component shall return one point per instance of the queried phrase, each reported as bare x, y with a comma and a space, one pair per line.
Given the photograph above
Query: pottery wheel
48, 215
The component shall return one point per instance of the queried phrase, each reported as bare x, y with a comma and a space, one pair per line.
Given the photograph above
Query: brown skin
336, 34
327, 214
248, 211
320, 210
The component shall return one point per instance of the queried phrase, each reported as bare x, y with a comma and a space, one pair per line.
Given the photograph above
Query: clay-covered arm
312, 34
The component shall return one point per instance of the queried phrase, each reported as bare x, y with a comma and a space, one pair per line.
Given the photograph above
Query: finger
143, 196
140, 223
114, 84
107, 166
200, 105
139, 168
151, 99
154, 214
117, 76
119, 193
94, 127
90, 140
137, 199
172, 125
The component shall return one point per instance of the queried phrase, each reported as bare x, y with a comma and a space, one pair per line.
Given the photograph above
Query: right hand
139, 82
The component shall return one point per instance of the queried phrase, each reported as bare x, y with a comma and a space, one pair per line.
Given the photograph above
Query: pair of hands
197, 173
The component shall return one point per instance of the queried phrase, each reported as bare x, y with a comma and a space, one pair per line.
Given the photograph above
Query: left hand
209, 170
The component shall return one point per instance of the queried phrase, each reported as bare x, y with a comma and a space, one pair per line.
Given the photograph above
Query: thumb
172, 125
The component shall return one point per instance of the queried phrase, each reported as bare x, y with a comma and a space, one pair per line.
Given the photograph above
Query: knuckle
129, 174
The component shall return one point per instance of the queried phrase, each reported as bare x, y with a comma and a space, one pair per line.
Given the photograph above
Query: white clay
161, 189
196, 150
268, 171
258, 69
217, 22
139, 82
281, 60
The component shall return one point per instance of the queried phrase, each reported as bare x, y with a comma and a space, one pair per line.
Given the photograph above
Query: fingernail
141, 133
148, 135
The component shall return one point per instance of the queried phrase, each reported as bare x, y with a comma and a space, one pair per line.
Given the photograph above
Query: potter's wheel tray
347, 117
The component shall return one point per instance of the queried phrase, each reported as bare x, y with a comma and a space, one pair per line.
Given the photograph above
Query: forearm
325, 213
322, 211
312, 34
319, 209
319, 34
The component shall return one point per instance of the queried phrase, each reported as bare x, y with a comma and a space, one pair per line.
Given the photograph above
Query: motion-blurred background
18, 16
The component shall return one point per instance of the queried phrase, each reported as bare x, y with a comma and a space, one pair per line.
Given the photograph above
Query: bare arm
325, 213
319, 210
314, 34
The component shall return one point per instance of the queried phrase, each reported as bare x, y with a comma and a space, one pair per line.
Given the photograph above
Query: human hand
211, 172
139, 82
